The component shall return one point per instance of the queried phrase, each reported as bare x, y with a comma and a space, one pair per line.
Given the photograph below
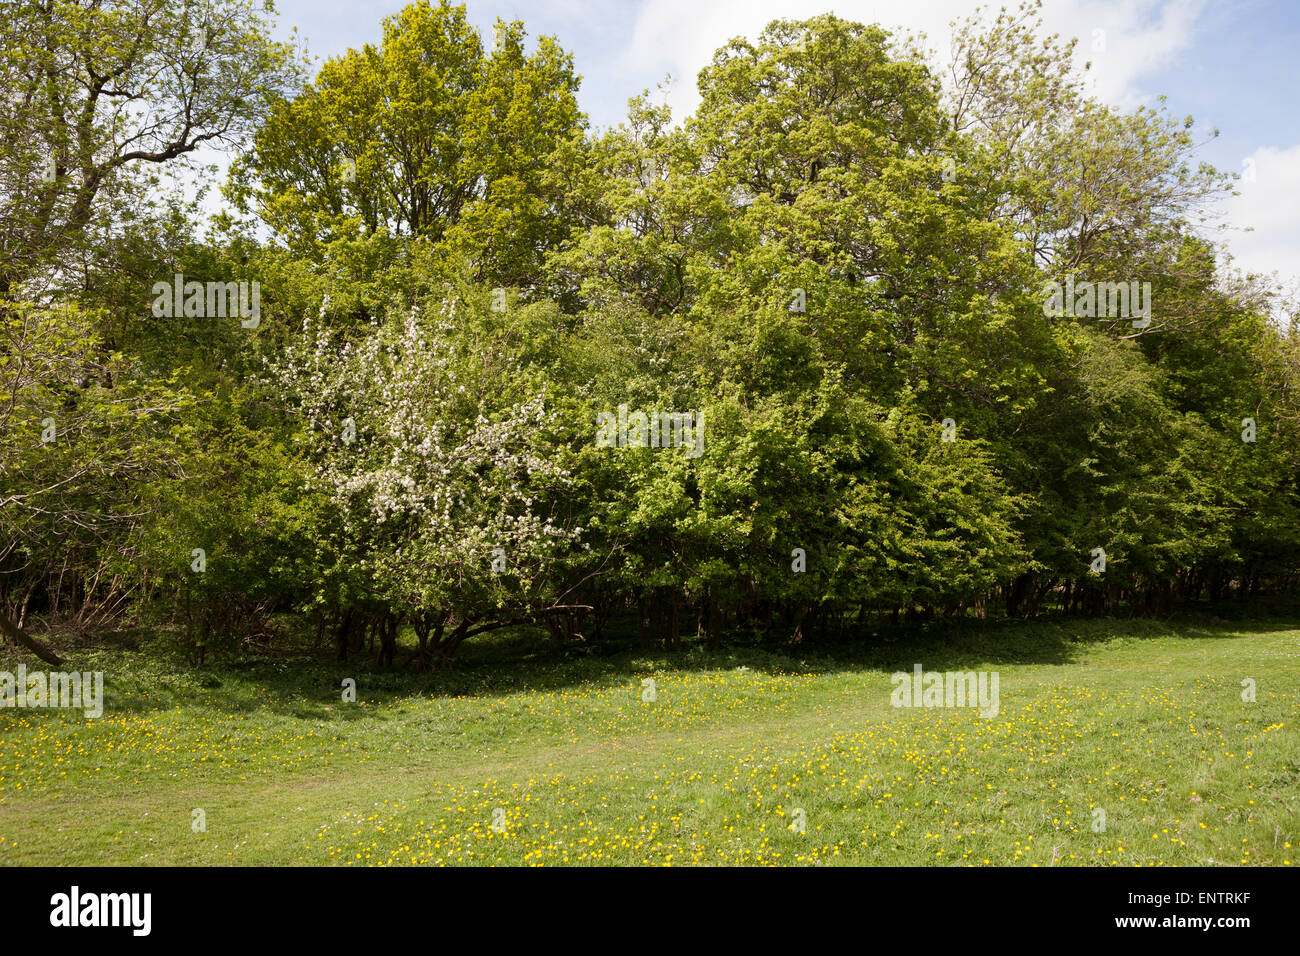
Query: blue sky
1231, 64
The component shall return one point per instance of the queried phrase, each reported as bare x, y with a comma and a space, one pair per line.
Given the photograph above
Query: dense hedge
832, 305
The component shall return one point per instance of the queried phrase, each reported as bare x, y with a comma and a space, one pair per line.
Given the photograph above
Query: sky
1230, 64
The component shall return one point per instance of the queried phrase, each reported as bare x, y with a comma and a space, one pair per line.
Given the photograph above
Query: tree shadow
518, 660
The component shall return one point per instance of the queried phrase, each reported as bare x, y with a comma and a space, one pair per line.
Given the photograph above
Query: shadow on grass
144, 678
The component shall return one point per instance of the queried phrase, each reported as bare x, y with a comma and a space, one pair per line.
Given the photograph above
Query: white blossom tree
444, 464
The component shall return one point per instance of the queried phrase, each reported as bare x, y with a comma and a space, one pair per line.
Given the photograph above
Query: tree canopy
790, 364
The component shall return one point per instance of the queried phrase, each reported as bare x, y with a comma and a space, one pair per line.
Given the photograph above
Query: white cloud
1126, 41
1270, 206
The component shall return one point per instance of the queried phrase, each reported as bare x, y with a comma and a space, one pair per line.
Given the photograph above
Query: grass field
527, 753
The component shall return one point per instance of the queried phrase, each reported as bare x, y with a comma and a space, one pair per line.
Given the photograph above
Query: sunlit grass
1142, 723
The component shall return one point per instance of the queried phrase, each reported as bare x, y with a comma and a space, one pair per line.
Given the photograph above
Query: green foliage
97, 97
426, 137
835, 268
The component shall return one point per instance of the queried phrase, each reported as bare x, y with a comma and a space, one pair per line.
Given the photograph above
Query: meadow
1118, 743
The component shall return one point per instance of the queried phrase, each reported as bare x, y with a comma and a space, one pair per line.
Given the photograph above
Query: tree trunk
22, 637
341, 635
387, 627
714, 626
422, 626
1017, 591
451, 643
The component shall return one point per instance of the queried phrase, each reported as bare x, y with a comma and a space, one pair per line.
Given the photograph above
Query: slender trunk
387, 627
714, 625
341, 635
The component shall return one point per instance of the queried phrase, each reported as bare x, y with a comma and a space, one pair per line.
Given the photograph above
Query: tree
80, 444
443, 463
99, 94
425, 136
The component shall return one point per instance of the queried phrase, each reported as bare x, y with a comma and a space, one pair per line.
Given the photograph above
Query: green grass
1142, 720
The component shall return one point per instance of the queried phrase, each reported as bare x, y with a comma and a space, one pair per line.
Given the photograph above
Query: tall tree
98, 93
425, 135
